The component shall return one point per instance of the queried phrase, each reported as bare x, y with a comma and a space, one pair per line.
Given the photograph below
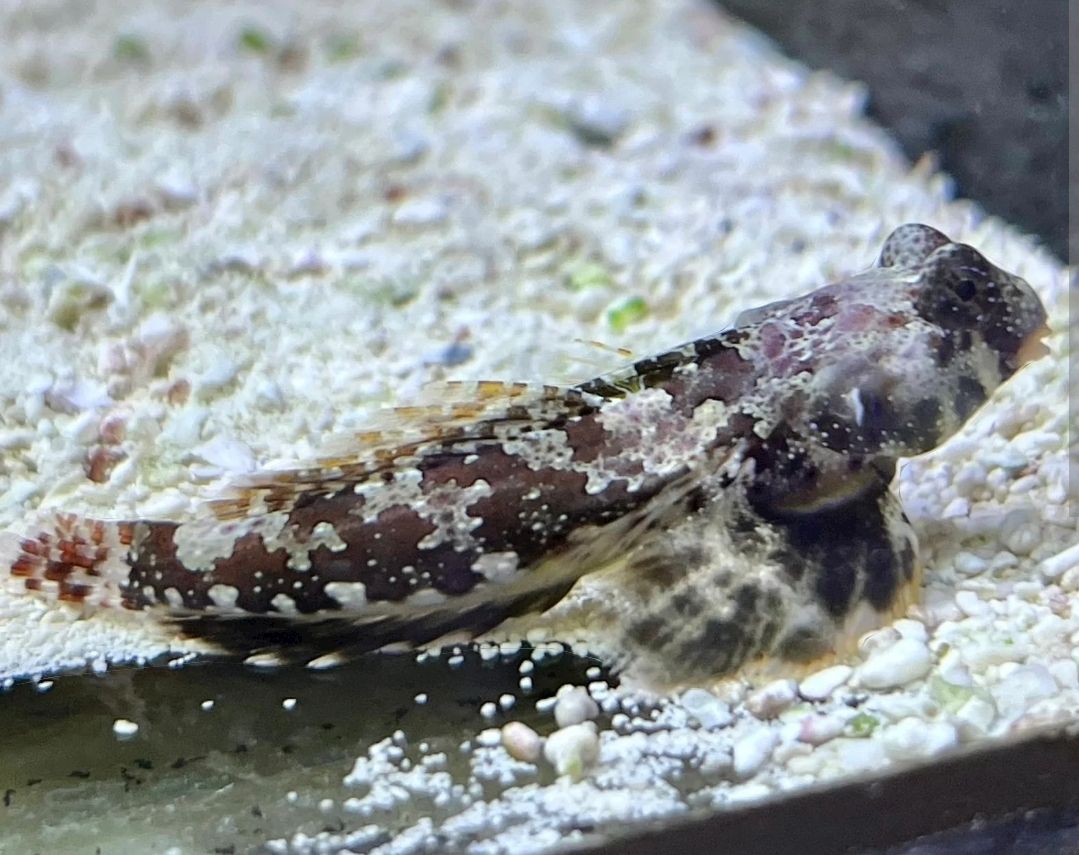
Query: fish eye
965, 290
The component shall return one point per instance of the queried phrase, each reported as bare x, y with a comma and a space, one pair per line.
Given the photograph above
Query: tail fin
72, 559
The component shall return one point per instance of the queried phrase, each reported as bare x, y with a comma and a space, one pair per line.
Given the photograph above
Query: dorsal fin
641, 374
447, 414
623, 352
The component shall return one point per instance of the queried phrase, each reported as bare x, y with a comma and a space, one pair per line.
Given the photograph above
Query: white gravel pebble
913, 738
818, 729
215, 378
521, 742
857, 755
1066, 673
970, 478
1022, 688
574, 707
166, 505
124, 728
900, 705
909, 628
711, 712
969, 564
979, 653
770, 700
1056, 565
1034, 443
820, 685
877, 639
957, 507
752, 751
1050, 631
1009, 459
545, 705
901, 663
970, 604
573, 750
975, 718
421, 212
1020, 533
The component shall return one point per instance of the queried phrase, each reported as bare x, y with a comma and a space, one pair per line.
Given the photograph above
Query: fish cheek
878, 415
916, 427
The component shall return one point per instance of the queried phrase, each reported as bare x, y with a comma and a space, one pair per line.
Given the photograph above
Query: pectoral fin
733, 587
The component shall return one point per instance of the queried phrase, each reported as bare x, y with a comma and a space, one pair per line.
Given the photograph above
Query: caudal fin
71, 559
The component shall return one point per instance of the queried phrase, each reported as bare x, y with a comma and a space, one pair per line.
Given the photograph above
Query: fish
737, 488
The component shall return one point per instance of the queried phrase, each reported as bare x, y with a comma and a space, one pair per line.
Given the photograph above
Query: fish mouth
1033, 346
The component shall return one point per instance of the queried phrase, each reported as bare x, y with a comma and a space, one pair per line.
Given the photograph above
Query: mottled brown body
739, 483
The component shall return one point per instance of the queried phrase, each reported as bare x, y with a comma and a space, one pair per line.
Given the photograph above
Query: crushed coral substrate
227, 232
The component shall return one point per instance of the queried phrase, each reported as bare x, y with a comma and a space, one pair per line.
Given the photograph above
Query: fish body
738, 484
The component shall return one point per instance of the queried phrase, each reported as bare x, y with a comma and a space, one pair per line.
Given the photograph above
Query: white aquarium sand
228, 231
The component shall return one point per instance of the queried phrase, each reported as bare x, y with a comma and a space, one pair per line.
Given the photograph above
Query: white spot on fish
496, 566
284, 604
224, 596
446, 506
349, 595
324, 534
174, 598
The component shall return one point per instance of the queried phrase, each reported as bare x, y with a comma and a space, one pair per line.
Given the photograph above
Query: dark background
982, 83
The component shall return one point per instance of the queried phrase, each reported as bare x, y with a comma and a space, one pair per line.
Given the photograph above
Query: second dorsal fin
447, 414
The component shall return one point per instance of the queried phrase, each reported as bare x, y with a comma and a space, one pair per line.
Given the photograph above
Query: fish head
898, 358
965, 295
